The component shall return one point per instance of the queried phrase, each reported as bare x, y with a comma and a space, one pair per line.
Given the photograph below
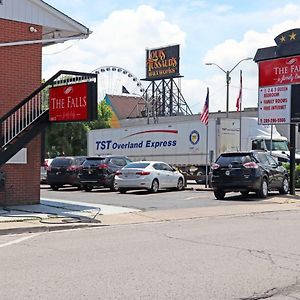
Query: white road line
191, 198
24, 238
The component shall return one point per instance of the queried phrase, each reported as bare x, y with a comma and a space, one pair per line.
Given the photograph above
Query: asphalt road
144, 200
242, 257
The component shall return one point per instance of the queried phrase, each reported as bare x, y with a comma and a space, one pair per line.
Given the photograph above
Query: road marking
17, 241
191, 198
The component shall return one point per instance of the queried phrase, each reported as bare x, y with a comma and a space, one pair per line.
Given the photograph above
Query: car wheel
154, 186
284, 187
263, 191
180, 184
54, 187
114, 186
219, 194
88, 188
122, 190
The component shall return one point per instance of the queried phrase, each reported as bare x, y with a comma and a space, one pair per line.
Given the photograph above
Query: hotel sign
75, 102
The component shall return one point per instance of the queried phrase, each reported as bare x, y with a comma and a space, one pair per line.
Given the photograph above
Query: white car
44, 168
149, 175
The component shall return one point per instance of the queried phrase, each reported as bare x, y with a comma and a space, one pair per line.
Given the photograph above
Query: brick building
27, 26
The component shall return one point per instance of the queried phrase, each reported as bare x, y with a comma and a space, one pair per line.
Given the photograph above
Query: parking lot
193, 196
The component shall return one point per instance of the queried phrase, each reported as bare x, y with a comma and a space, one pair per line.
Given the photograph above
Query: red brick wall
20, 76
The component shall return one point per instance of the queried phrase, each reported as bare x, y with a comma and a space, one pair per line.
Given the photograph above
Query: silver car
149, 175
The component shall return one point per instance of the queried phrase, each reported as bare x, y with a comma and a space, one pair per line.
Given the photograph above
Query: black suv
245, 172
99, 171
64, 170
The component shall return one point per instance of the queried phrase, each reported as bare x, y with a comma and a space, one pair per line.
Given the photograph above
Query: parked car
150, 175
64, 170
99, 171
43, 170
245, 172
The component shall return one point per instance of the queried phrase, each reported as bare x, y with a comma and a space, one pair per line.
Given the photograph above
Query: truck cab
277, 147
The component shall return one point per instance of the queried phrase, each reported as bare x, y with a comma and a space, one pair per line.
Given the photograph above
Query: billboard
279, 71
162, 63
274, 105
275, 101
74, 102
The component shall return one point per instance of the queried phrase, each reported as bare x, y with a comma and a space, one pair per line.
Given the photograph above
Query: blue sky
223, 32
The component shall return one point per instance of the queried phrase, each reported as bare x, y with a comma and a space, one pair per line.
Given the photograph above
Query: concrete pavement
52, 215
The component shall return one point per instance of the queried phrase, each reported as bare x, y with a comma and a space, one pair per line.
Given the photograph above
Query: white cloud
119, 40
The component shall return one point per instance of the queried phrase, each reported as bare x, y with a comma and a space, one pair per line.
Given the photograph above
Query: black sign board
162, 63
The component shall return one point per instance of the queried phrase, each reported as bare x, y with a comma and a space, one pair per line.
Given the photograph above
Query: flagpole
241, 98
204, 117
206, 160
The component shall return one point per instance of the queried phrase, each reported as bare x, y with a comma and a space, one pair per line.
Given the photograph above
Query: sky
219, 32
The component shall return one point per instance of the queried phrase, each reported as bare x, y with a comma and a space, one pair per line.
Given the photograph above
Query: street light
228, 78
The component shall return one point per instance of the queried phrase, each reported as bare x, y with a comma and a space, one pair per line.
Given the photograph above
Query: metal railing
34, 106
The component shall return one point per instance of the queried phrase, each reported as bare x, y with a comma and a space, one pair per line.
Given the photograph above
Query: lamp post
228, 79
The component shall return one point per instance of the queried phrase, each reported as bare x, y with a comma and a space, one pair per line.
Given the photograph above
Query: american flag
238, 104
205, 111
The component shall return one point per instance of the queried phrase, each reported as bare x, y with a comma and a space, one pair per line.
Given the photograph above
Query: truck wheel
54, 187
285, 186
154, 186
199, 172
180, 184
122, 190
88, 188
219, 194
245, 193
263, 191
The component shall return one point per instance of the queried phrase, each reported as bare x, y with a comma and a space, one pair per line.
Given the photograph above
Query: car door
162, 175
278, 174
171, 177
268, 167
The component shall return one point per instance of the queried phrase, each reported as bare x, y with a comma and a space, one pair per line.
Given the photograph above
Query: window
225, 160
137, 165
118, 161
262, 158
271, 160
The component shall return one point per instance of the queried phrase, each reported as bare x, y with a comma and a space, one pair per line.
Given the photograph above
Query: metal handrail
35, 105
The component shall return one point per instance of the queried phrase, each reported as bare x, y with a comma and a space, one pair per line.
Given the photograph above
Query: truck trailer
181, 144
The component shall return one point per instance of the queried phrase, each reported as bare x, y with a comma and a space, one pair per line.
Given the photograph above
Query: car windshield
226, 159
137, 165
61, 162
277, 145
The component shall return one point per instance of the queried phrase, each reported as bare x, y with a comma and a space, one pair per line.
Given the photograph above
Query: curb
46, 228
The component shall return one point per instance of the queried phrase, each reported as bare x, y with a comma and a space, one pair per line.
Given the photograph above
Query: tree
71, 138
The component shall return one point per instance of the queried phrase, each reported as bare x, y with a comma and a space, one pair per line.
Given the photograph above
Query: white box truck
181, 144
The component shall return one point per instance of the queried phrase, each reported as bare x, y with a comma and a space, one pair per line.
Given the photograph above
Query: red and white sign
274, 104
279, 71
68, 103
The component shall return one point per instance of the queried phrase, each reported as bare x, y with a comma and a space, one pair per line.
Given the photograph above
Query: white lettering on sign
274, 104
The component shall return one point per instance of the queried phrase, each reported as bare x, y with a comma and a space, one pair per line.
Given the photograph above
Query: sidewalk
52, 215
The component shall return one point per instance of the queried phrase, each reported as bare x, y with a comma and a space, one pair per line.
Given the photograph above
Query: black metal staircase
31, 116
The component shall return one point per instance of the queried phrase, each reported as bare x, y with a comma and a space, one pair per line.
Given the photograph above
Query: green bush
297, 173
